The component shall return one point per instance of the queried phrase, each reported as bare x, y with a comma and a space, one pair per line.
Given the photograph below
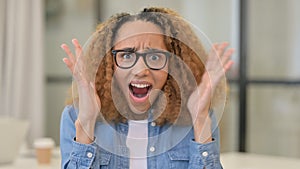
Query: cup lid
45, 142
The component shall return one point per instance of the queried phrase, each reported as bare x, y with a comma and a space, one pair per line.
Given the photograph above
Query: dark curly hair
187, 67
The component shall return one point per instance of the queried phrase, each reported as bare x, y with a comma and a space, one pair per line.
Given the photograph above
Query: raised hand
89, 102
218, 63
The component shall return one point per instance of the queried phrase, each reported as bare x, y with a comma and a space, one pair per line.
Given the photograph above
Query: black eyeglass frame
138, 55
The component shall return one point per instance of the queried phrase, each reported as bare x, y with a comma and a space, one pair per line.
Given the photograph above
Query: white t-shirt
137, 141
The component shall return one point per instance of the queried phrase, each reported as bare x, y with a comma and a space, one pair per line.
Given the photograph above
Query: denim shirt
184, 152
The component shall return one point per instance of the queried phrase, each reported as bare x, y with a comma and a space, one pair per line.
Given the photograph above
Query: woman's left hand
217, 64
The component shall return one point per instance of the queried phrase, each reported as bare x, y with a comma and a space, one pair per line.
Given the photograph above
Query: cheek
115, 67
165, 73
118, 75
121, 77
161, 78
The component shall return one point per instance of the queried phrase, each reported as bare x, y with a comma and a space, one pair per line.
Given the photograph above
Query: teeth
140, 85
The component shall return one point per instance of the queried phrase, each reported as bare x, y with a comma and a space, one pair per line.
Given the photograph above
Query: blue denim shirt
184, 152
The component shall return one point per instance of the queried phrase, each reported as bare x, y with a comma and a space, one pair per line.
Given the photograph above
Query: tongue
140, 91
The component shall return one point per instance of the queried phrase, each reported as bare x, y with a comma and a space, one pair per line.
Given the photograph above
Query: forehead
138, 27
139, 31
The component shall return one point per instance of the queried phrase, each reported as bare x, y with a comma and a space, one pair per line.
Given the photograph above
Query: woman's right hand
89, 102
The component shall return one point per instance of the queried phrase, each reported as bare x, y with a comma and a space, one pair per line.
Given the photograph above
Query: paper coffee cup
43, 149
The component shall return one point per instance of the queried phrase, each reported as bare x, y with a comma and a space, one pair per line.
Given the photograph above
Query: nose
140, 68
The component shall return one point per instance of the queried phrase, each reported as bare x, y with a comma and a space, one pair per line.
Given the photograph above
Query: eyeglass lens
154, 60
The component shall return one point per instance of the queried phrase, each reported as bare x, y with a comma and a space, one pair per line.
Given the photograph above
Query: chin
140, 108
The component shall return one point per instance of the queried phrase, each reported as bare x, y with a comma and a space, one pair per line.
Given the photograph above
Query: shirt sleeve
206, 155
74, 155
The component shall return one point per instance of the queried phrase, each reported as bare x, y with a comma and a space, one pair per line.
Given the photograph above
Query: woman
144, 96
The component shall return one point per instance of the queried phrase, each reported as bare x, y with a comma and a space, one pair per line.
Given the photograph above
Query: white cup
43, 149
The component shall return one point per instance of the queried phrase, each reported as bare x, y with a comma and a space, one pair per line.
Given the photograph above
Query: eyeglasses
154, 59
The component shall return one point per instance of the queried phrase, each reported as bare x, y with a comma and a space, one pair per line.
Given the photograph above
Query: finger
78, 48
228, 65
227, 55
69, 64
221, 48
215, 49
216, 53
68, 52
76, 73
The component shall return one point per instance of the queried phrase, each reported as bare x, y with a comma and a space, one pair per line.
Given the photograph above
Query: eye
154, 57
127, 56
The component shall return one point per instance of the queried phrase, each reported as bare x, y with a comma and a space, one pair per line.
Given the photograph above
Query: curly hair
180, 40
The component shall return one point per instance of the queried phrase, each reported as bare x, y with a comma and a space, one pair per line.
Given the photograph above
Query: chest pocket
179, 157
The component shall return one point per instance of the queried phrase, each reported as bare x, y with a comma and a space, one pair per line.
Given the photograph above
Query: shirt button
89, 155
152, 149
205, 154
153, 124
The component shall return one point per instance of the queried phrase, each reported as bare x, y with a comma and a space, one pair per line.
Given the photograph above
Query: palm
217, 65
89, 102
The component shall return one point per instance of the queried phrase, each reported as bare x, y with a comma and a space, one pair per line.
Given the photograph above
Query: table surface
234, 160
230, 160
27, 160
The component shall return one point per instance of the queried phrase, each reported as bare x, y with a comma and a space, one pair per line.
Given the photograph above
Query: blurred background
263, 112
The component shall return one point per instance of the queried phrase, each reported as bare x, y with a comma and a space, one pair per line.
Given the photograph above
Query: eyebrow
147, 49
154, 50
127, 49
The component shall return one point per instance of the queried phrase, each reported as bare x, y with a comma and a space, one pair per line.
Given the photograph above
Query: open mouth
139, 91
